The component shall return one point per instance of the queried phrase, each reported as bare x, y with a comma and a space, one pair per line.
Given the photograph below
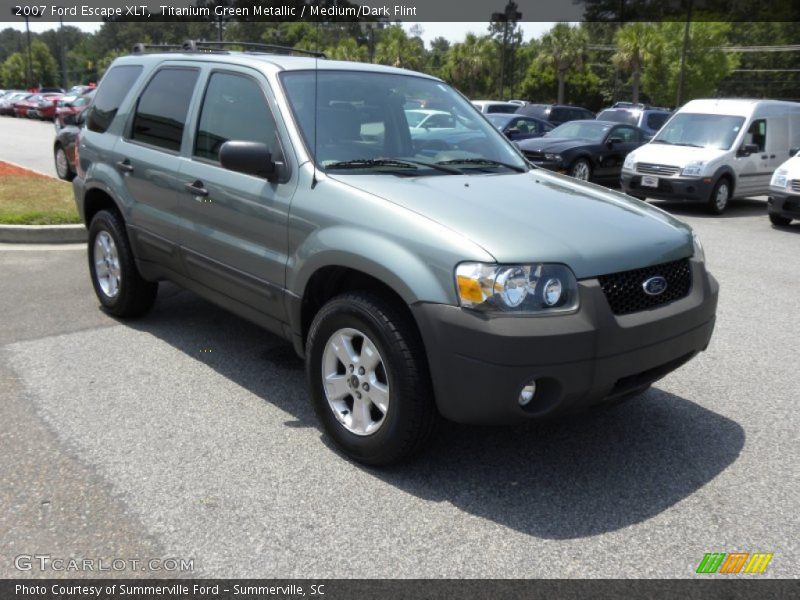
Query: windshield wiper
660, 142
368, 163
481, 161
688, 144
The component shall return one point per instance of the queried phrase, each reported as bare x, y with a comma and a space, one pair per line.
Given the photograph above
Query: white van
714, 150
784, 191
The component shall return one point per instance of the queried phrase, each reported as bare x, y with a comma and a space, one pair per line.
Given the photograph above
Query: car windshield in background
619, 116
582, 130
701, 130
500, 120
361, 125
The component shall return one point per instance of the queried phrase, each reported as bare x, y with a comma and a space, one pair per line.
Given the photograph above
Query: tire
379, 427
720, 196
63, 170
118, 284
778, 220
581, 169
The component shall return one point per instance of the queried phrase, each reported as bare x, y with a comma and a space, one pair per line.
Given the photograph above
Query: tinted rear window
656, 120
618, 116
161, 110
112, 91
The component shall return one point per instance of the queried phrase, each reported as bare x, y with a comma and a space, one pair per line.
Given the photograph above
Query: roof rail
203, 46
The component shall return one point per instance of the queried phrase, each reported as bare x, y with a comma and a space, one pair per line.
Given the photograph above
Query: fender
725, 170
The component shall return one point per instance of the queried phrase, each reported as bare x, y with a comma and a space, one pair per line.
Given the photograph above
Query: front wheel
369, 380
120, 288
581, 169
778, 220
720, 196
63, 170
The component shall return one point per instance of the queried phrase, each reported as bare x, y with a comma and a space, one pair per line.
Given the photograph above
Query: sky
454, 32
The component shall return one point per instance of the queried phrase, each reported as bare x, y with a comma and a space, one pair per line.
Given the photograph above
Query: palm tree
468, 63
562, 49
635, 48
395, 48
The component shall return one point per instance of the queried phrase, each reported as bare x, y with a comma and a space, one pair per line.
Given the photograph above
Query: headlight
694, 168
699, 253
779, 179
536, 288
629, 162
553, 157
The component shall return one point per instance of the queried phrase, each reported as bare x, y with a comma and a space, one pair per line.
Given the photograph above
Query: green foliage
563, 50
13, 72
396, 49
348, 49
44, 66
472, 65
636, 43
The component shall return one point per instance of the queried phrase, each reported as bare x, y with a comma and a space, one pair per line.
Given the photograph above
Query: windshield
499, 120
584, 130
701, 130
361, 125
619, 116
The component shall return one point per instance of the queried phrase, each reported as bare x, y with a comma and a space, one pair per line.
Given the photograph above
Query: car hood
551, 144
679, 156
540, 216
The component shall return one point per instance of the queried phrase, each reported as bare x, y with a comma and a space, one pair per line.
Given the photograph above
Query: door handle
196, 188
772, 156
764, 156
125, 166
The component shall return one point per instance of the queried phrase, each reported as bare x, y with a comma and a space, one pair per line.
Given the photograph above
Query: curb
43, 234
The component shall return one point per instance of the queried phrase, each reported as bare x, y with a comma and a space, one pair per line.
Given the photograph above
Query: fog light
527, 393
552, 292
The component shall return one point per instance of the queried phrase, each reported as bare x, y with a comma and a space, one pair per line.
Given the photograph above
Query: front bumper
784, 204
691, 189
479, 364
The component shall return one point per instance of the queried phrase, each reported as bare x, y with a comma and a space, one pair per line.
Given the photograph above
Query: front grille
652, 169
795, 185
625, 292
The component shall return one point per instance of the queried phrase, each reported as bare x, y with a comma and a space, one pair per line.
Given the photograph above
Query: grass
28, 198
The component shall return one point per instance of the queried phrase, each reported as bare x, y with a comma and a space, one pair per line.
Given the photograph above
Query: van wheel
63, 169
778, 220
120, 288
369, 380
581, 169
720, 196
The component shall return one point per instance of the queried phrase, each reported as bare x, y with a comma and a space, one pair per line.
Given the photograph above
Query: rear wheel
120, 288
581, 169
369, 380
779, 221
720, 196
63, 170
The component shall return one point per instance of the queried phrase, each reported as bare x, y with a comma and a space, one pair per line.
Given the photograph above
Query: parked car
495, 106
713, 150
784, 191
516, 127
586, 150
425, 118
50, 90
72, 105
555, 114
643, 116
464, 284
25, 104
45, 108
8, 101
65, 145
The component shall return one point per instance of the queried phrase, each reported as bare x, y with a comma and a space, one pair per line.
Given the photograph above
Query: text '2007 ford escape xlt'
419, 272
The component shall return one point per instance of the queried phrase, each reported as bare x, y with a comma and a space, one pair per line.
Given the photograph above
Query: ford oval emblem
655, 286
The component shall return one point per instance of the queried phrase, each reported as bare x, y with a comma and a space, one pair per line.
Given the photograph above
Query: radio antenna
316, 108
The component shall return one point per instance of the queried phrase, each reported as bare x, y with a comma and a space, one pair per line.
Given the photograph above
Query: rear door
234, 230
148, 158
754, 169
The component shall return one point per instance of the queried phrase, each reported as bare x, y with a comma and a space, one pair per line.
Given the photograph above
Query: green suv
421, 274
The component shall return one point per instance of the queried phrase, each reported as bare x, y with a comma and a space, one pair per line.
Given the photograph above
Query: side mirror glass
748, 149
251, 158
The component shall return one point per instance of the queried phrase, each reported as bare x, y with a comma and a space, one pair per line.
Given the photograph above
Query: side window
559, 115
626, 134
234, 108
757, 134
656, 120
161, 111
112, 91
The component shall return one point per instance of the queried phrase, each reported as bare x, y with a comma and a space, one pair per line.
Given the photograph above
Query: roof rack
203, 46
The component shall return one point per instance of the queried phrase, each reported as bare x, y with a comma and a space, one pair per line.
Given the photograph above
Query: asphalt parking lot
190, 434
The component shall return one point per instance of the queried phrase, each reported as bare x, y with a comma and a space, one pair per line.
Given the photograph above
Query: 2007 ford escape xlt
421, 272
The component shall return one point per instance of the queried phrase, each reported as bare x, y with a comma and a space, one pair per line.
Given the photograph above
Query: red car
45, 109
21, 107
72, 105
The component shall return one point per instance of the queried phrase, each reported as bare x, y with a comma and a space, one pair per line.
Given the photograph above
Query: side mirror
251, 158
70, 119
614, 140
794, 151
748, 149
512, 132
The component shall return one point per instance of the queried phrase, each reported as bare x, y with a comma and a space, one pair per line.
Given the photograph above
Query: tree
14, 72
348, 49
395, 48
706, 64
471, 65
562, 49
44, 66
636, 44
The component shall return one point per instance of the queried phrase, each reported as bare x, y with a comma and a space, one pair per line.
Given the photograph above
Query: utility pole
510, 14
63, 51
684, 51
